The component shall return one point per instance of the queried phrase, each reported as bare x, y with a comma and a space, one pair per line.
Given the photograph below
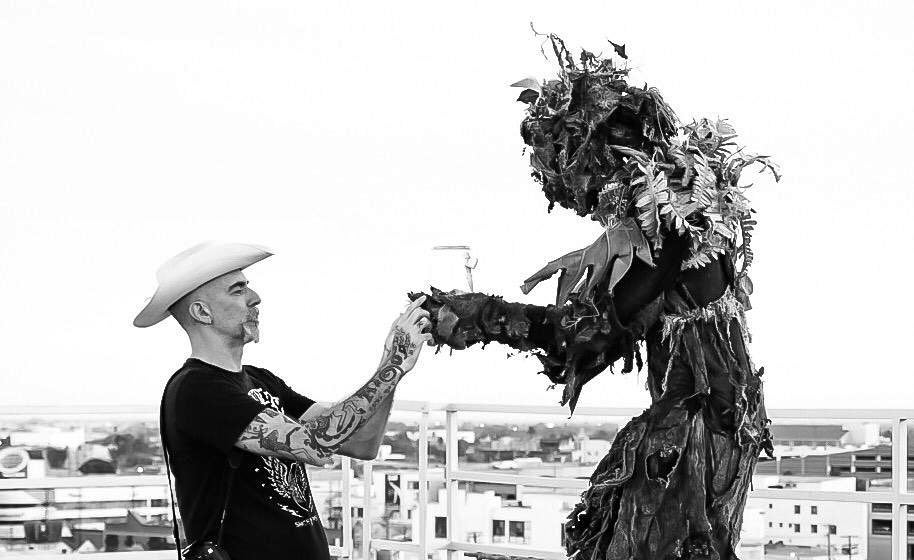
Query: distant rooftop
807, 432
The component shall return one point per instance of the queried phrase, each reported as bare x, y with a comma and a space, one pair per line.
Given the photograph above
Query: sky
353, 137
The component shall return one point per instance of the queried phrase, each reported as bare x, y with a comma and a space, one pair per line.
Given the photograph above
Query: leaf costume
668, 271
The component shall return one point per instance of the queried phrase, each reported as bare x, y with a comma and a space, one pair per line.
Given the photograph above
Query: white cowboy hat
189, 269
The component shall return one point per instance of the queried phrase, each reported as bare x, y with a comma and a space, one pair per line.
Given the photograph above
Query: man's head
225, 306
209, 275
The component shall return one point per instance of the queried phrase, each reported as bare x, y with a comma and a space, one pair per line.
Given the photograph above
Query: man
214, 408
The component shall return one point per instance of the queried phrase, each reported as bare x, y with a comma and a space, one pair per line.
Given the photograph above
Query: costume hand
407, 335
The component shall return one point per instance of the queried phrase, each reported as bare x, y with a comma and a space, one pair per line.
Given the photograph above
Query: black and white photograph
585, 280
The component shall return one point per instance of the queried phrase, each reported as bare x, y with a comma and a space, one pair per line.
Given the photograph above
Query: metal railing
899, 498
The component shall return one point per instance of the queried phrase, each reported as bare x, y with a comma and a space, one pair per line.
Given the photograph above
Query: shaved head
180, 310
225, 304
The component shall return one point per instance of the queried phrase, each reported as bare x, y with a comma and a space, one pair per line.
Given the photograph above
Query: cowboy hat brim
192, 268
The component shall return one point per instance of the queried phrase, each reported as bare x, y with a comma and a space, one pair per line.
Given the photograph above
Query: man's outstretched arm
366, 441
316, 439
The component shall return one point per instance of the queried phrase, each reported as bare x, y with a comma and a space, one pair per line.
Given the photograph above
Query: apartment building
812, 523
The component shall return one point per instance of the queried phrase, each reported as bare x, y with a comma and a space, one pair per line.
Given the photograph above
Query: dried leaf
529, 83
610, 255
528, 96
620, 50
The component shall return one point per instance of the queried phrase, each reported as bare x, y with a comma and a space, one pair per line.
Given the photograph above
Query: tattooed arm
315, 439
366, 441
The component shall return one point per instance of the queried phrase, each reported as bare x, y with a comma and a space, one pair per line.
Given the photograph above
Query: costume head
576, 125
617, 153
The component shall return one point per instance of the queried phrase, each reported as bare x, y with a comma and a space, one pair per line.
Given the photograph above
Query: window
516, 528
770, 524
412, 485
882, 508
519, 532
409, 514
440, 527
814, 510
770, 506
796, 509
781, 525
498, 528
796, 528
882, 526
814, 528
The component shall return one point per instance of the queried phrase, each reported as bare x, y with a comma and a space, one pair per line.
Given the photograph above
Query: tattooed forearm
269, 432
316, 439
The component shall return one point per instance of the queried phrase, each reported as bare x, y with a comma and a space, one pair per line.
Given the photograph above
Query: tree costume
669, 269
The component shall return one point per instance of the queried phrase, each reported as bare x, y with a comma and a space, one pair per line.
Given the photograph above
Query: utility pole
469, 262
850, 545
828, 543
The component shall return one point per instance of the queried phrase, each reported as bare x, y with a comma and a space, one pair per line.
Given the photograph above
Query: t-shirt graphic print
285, 480
271, 511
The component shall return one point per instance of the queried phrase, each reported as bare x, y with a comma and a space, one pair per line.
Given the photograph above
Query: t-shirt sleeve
213, 410
295, 404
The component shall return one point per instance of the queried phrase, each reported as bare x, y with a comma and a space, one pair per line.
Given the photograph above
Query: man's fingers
415, 315
417, 330
409, 316
415, 304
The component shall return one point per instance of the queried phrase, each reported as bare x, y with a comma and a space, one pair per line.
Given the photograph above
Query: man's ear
200, 312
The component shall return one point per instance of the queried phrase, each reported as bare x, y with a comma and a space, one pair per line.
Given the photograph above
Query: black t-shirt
271, 512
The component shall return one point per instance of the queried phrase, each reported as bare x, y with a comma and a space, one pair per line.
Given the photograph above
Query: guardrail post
900, 495
366, 509
450, 467
423, 483
899, 487
346, 502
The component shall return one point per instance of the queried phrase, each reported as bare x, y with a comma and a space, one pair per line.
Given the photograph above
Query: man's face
232, 305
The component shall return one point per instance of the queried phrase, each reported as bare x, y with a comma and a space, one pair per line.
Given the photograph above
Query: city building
812, 523
879, 539
72, 510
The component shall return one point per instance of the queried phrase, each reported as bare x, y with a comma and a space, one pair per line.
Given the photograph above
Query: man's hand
406, 337
314, 439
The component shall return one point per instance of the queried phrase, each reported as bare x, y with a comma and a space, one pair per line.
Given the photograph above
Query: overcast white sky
352, 137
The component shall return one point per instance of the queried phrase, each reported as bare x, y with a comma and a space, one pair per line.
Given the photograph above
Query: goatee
251, 330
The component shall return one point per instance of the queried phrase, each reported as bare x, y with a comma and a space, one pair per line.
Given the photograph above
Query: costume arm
574, 342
